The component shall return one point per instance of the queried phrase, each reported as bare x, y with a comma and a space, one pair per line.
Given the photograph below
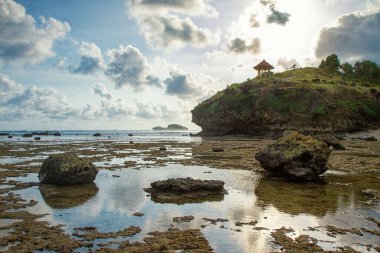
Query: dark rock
163, 148
41, 133
296, 157
130, 134
330, 140
370, 138
97, 134
27, 135
131, 142
10, 136
138, 214
4, 134
37, 138
67, 169
217, 149
57, 134
186, 190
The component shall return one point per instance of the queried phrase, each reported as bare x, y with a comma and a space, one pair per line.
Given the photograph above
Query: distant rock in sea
170, 127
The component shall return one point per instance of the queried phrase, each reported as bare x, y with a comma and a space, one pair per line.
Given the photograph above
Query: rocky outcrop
269, 106
186, 190
296, 157
330, 140
67, 169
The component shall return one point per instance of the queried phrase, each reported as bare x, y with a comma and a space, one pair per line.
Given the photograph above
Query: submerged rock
67, 169
295, 156
186, 190
97, 134
27, 135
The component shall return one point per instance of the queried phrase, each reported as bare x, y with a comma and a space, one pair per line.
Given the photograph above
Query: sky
136, 64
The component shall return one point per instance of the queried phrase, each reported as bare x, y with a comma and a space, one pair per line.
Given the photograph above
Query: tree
330, 64
367, 70
347, 69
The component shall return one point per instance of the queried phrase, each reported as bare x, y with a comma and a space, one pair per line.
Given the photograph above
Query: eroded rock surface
67, 169
186, 190
295, 156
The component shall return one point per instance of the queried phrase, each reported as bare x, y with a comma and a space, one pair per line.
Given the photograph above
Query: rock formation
67, 169
186, 190
296, 157
290, 101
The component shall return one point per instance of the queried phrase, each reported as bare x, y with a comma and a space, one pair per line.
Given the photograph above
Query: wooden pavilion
263, 67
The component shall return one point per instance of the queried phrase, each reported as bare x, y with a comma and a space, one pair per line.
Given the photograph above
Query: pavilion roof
263, 65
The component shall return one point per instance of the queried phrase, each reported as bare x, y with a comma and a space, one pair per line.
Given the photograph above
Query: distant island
170, 127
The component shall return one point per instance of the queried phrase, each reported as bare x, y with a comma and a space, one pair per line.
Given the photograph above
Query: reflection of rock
186, 190
67, 169
60, 197
295, 156
297, 198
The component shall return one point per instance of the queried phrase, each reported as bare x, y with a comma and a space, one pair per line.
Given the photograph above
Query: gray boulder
67, 169
296, 157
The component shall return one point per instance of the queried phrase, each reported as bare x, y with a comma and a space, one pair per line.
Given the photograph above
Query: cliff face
305, 100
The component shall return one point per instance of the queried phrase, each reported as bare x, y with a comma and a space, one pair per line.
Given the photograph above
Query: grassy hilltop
306, 99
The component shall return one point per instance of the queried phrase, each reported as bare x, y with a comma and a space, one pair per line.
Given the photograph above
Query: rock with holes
67, 169
296, 157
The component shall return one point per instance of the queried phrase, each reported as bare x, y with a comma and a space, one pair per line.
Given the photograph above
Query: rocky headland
308, 100
170, 127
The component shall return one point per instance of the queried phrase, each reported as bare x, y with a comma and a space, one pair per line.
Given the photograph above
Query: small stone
162, 148
37, 138
138, 214
97, 134
217, 149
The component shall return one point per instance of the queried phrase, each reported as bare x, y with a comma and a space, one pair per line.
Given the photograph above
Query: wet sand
260, 213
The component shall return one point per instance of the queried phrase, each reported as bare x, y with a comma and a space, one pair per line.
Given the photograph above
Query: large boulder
67, 169
296, 157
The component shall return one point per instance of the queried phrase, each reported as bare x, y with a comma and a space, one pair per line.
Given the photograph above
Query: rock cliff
306, 100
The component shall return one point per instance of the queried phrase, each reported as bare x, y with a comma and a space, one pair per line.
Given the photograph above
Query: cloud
129, 67
287, 63
22, 103
181, 85
8, 88
277, 17
241, 46
24, 39
162, 28
356, 36
163, 7
173, 32
254, 23
101, 90
90, 61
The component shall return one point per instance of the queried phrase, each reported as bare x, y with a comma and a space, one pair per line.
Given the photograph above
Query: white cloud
90, 59
163, 28
22, 38
129, 67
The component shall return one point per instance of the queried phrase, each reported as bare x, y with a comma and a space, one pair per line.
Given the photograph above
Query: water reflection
187, 198
316, 199
61, 197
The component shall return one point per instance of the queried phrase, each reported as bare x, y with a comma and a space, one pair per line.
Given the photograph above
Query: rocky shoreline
358, 163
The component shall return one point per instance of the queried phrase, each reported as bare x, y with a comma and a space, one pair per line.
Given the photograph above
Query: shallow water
116, 195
